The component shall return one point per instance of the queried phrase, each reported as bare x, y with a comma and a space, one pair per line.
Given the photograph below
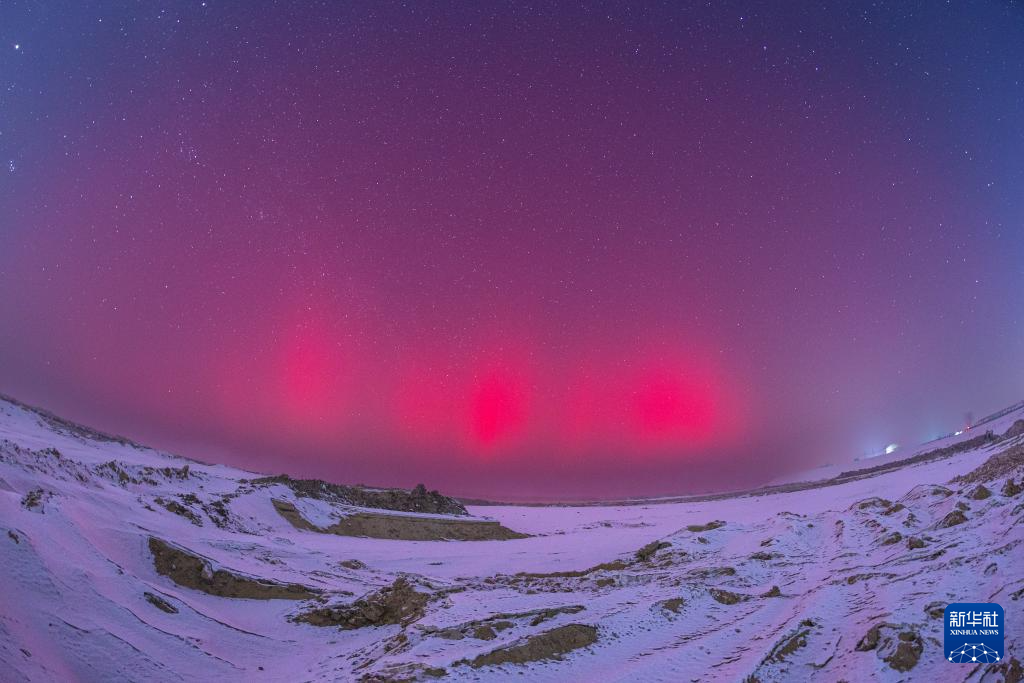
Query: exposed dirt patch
1016, 429
893, 538
726, 597
548, 645
648, 551
763, 556
979, 492
913, 543
1011, 488
698, 528
773, 592
672, 604
484, 632
398, 603
32, 499
613, 566
403, 527
954, 518
353, 564
294, 517
551, 612
404, 673
898, 646
192, 571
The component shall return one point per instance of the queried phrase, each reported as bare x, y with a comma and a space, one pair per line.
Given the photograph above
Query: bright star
17, 46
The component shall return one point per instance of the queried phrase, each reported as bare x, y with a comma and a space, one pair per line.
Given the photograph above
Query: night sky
514, 250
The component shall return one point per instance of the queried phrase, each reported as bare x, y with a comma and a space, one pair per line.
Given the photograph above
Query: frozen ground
827, 581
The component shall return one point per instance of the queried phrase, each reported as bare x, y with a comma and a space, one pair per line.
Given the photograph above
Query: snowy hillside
118, 562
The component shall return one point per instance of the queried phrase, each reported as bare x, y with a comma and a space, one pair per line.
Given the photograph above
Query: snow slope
821, 583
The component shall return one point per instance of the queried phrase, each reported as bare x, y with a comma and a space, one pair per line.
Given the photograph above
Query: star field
512, 249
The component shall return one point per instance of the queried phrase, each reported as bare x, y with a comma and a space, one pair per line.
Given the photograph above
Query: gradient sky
514, 250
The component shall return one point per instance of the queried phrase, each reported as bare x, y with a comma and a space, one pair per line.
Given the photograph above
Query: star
17, 46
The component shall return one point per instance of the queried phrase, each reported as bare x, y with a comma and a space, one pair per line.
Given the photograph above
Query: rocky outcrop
898, 646
419, 499
398, 603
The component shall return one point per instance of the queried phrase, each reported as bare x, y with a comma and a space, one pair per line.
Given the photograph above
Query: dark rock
192, 571
952, 519
672, 604
484, 632
893, 538
648, 551
548, 645
398, 603
160, 603
913, 543
726, 597
979, 492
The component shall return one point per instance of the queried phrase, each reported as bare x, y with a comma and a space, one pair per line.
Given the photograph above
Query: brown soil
789, 644
726, 597
404, 673
648, 551
672, 604
613, 566
547, 645
1011, 488
979, 492
484, 633
32, 499
289, 512
893, 538
914, 543
996, 467
952, 519
698, 528
898, 646
502, 621
398, 603
402, 527
192, 571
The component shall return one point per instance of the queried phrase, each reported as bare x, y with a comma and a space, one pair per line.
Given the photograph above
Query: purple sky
517, 251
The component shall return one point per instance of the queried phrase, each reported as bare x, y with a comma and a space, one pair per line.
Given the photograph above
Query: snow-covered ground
829, 582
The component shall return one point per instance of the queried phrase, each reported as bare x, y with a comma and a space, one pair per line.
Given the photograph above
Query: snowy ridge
828, 582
